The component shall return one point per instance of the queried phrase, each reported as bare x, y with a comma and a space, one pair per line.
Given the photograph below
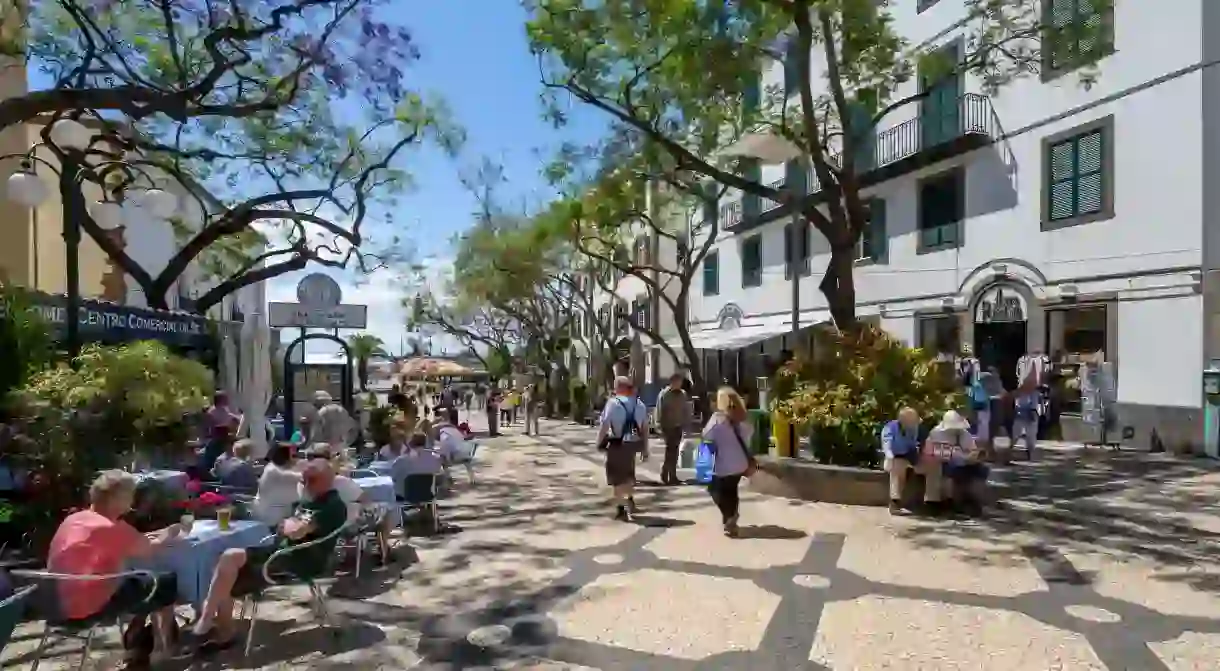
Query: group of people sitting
947, 457
98, 541
424, 451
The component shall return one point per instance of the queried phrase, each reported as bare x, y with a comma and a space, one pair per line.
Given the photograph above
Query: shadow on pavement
770, 532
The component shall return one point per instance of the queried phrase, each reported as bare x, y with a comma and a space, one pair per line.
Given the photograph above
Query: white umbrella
229, 375
255, 388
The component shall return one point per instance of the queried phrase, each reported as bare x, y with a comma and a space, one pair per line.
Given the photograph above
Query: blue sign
106, 321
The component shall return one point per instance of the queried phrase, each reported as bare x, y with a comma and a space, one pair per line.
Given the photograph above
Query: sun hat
953, 421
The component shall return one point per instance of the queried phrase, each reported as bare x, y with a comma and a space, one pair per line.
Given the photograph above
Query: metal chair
46, 603
12, 612
372, 517
318, 598
363, 473
418, 492
467, 461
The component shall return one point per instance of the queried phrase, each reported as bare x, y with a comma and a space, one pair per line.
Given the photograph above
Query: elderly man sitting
951, 443
240, 572
900, 443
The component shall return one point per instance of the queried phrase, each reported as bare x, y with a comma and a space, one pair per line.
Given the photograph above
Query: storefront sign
1000, 304
104, 321
730, 317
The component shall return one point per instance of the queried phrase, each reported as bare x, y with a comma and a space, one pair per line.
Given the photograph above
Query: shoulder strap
630, 425
740, 442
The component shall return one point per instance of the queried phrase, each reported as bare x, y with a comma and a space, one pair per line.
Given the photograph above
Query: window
794, 176
683, 248
1077, 32
641, 251
751, 95
940, 334
792, 74
796, 248
874, 242
941, 210
1079, 173
751, 261
711, 274
639, 311
1076, 336
751, 203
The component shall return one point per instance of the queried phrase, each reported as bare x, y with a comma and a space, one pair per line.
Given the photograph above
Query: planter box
796, 478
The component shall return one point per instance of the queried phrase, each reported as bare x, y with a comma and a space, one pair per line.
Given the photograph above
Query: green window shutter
1075, 176
711, 274
879, 244
751, 96
792, 74
711, 208
789, 255
795, 176
863, 135
751, 203
751, 261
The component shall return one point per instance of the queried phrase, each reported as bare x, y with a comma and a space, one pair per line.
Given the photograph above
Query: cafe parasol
428, 367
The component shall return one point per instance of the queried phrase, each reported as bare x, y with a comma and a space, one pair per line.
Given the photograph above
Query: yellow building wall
16, 257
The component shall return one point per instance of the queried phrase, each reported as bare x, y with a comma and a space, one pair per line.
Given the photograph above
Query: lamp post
775, 149
70, 141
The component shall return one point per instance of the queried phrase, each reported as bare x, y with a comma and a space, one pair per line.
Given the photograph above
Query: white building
1045, 218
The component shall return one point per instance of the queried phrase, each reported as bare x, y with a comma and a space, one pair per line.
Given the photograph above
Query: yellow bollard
782, 435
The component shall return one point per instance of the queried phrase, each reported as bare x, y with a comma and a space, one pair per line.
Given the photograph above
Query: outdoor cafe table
193, 559
381, 467
175, 479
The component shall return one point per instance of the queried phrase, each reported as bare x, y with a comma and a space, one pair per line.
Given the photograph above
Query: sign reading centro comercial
109, 322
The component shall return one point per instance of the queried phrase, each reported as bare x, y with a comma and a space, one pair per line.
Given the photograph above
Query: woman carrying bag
728, 434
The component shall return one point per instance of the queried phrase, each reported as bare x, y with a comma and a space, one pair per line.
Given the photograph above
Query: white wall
1158, 158
1160, 351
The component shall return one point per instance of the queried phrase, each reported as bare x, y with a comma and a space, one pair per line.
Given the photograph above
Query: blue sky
474, 54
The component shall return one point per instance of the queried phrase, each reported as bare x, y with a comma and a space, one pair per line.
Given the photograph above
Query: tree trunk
362, 371
839, 287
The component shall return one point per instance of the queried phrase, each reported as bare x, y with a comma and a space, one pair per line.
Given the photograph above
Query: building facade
1048, 218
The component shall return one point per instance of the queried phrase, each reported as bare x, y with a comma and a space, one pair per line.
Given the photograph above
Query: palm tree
365, 346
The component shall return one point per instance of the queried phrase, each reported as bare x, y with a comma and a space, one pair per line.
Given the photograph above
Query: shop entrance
1000, 345
1000, 331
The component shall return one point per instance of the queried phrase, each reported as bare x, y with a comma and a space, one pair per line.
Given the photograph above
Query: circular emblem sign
319, 290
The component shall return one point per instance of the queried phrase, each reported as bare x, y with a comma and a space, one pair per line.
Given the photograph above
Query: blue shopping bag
705, 463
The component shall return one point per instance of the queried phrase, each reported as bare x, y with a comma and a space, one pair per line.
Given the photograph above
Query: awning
737, 338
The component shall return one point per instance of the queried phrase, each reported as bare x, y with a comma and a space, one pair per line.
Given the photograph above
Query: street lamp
70, 141
775, 149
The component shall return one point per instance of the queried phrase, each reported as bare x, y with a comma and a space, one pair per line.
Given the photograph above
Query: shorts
250, 579
132, 597
620, 464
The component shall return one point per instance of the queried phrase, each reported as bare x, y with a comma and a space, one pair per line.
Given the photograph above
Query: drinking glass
224, 518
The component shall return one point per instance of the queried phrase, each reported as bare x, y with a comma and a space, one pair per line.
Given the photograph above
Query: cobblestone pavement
539, 577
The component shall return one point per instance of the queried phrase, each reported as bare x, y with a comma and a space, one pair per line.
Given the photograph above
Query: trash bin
780, 426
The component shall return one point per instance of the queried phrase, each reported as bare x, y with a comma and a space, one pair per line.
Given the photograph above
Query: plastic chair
46, 603
12, 612
419, 493
321, 610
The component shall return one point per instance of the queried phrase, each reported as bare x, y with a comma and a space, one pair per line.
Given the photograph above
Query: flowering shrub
853, 384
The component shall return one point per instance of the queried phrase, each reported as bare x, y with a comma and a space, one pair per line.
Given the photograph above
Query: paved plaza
1113, 568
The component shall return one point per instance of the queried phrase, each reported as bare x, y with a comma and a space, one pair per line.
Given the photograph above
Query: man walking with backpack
622, 435
673, 414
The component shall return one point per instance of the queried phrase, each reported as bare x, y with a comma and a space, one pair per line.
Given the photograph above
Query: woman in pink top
97, 542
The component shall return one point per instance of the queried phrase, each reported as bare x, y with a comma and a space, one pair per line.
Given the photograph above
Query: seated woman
398, 441
951, 441
277, 488
240, 572
96, 541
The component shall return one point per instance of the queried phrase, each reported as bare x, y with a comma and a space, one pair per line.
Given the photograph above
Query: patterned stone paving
540, 578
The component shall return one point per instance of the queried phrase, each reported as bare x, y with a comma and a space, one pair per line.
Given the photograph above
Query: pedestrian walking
673, 414
623, 436
531, 400
728, 433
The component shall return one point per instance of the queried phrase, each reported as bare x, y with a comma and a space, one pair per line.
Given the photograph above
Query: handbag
751, 463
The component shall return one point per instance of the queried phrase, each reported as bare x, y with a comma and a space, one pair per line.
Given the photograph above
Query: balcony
906, 147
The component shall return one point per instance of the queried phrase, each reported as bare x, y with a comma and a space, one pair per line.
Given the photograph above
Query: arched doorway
345, 379
1001, 329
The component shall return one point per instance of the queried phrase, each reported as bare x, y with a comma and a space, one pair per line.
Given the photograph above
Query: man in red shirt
96, 542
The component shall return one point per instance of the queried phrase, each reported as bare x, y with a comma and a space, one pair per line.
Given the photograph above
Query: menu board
1098, 393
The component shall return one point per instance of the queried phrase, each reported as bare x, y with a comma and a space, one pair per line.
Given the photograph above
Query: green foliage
379, 424
137, 389
853, 384
365, 346
25, 339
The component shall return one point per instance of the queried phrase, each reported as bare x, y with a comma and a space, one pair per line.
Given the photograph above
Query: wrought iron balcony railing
931, 130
